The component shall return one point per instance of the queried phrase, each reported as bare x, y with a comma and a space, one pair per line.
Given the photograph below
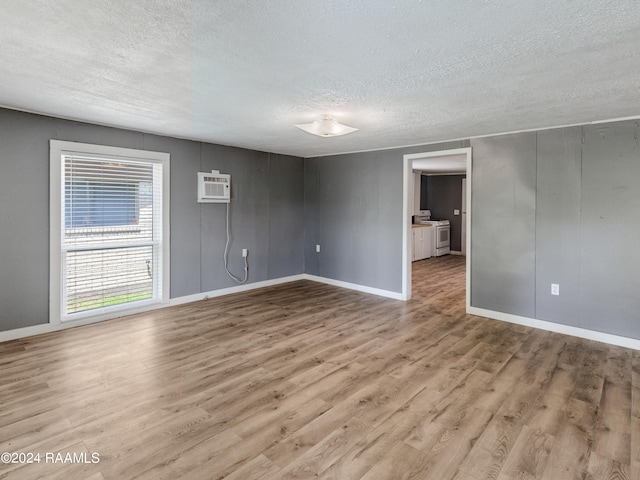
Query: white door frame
463, 233
406, 217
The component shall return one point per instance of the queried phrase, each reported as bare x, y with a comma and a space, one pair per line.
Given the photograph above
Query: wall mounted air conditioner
214, 187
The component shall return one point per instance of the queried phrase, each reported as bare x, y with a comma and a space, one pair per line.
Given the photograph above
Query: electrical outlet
245, 252
456, 212
555, 289
318, 248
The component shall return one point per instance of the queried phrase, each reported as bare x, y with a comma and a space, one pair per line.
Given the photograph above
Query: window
95, 202
109, 230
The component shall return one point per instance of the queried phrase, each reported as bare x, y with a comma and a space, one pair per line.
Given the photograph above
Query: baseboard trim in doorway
455, 252
558, 328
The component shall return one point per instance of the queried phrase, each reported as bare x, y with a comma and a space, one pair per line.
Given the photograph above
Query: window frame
59, 148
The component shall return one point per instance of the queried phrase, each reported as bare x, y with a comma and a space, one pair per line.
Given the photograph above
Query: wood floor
310, 381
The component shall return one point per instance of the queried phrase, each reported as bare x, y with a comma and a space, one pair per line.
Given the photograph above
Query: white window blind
111, 232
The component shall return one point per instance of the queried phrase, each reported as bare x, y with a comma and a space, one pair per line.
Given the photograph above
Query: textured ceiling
243, 73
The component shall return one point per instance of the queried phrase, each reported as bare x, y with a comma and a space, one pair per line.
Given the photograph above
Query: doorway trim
406, 217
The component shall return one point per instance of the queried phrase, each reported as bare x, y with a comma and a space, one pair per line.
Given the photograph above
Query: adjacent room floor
306, 380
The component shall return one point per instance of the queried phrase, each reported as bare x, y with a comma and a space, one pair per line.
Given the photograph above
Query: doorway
438, 162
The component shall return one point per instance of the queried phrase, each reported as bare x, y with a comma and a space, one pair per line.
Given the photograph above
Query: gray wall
503, 224
559, 206
558, 224
353, 209
556, 206
267, 211
442, 194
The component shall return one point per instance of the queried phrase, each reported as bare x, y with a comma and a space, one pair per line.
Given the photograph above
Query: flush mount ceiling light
326, 127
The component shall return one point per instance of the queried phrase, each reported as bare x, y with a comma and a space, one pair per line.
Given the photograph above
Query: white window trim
57, 149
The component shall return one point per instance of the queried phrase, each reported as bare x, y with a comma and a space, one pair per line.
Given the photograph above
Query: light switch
456, 212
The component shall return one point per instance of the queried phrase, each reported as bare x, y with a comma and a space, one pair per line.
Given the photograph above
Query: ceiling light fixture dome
327, 126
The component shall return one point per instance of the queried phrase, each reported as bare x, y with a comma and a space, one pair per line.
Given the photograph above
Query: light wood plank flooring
309, 381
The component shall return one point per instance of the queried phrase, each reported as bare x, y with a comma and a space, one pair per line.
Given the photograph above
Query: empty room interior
333, 240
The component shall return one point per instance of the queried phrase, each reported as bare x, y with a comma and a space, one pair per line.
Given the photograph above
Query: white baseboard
25, 332
354, 286
48, 327
455, 252
505, 317
240, 288
558, 328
